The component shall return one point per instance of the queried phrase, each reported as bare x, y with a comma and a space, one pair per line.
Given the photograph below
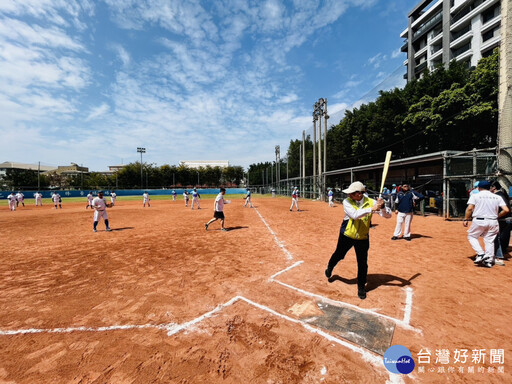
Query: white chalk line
173, 329
405, 323
277, 241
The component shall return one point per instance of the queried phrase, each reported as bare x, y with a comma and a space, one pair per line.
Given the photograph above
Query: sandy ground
159, 299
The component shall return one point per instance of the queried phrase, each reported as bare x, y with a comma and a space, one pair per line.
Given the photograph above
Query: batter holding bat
355, 230
100, 210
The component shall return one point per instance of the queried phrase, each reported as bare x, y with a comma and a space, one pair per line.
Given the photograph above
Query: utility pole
326, 116
314, 154
303, 179
38, 176
141, 151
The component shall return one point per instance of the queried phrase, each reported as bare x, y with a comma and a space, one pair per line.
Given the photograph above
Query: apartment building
443, 30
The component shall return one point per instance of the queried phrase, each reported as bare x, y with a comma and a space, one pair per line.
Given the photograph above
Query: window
462, 49
488, 35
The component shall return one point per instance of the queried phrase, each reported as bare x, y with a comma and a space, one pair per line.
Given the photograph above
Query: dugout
445, 177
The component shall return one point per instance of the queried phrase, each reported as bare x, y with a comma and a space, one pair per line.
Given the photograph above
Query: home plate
365, 329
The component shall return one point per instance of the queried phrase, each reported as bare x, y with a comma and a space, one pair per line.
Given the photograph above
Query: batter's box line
405, 323
173, 329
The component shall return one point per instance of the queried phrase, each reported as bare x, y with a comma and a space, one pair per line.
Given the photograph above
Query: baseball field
161, 300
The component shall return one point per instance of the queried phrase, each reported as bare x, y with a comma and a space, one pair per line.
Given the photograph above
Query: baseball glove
110, 205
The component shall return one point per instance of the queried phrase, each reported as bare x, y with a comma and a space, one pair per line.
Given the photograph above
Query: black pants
361, 247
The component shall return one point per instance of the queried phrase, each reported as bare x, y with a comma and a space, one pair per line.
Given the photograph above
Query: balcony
491, 43
465, 17
429, 25
420, 67
405, 47
436, 38
434, 54
491, 23
422, 51
461, 40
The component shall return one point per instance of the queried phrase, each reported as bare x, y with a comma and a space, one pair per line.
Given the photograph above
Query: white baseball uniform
113, 196
100, 208
20, 197
146, 198
90, 198
38, 199
331, 194
185, 197
295, 200
173, 195
248, 199
56, 200
485, 222
195, 198
12, 201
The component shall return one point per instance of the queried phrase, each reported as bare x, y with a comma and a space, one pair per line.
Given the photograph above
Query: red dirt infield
159, 299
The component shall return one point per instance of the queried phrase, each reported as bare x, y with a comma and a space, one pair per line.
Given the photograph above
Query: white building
442, 30
204, 163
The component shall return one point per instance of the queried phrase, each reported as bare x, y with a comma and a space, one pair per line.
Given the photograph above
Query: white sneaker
479, 258
499, 262
486, 264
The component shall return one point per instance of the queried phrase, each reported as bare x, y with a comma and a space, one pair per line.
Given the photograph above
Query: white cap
356, 186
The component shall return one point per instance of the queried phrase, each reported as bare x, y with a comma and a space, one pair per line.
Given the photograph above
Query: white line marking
178, 328
285, 270
279, 243
408, 305
82, 329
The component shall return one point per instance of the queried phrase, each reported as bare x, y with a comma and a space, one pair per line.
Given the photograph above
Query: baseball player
354, 232
173, 193
100, 210
90, 198
195, 198
12, 201
295, 199
273, 192
20, 197
248, 198
113, 197
145, 195
483, 208
185, 197
405, 202
57, 200
218, 210
38, 197
331, 195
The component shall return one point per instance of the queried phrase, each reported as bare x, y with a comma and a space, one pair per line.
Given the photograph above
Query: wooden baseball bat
385, 171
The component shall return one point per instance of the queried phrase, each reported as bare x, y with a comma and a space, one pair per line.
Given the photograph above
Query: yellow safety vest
358, 229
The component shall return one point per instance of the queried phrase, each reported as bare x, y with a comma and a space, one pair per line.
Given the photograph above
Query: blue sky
90, 81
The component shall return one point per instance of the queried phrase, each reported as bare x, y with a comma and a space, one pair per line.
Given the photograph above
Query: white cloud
98, 112
396, 53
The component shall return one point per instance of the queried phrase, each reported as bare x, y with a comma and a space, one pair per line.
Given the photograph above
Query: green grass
65, 200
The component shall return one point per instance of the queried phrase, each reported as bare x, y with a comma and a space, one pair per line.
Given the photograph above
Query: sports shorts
218, 215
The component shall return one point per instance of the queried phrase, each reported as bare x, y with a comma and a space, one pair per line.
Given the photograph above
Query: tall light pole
278, 161
320, 110
198, 178
141, 151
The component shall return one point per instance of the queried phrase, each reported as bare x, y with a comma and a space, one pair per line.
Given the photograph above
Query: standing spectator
392, 197
354, 232
405, 202
502, 240
483, 208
